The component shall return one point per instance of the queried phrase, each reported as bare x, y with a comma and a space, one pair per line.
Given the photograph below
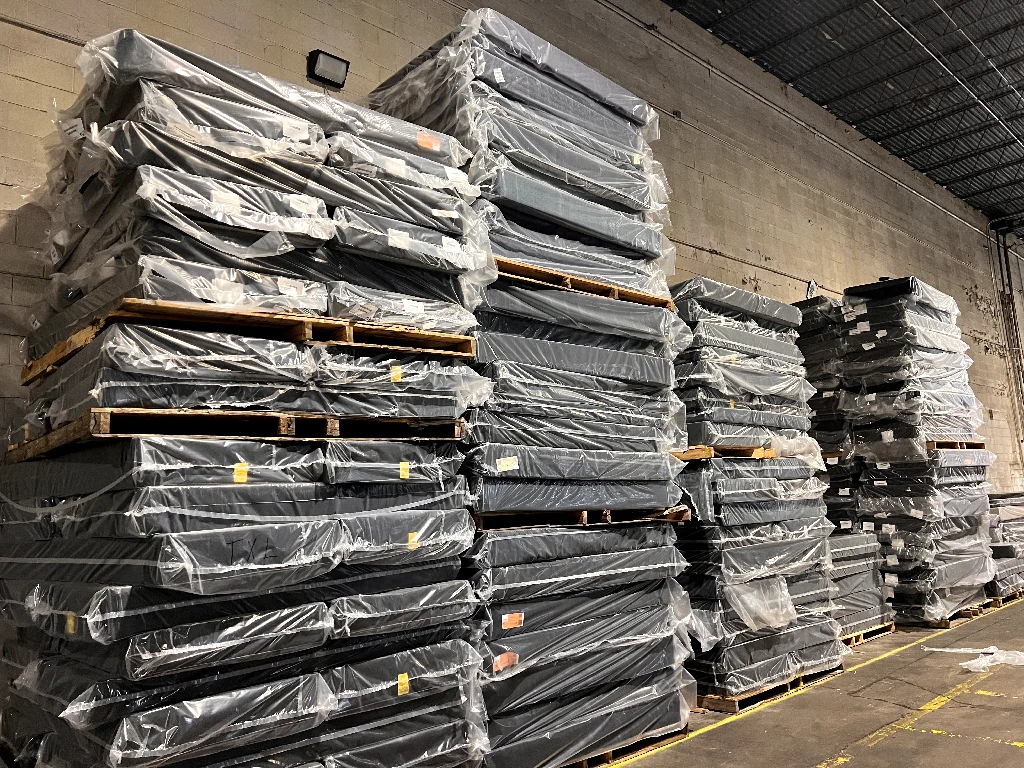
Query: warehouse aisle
892, 707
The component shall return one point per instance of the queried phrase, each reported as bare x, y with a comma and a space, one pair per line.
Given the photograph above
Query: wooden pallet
521, 272
698, 452
268, 325
955, 445
101, 423
962, 616
999, 602
630, 752
490, 521
859, 638
735, 704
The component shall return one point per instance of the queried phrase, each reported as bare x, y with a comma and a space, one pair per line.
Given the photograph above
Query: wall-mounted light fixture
325, 69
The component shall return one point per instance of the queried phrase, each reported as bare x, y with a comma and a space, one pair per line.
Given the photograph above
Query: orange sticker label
427, 141
511, 620
505, 660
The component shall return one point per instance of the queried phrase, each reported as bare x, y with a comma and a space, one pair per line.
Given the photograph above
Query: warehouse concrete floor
896, 705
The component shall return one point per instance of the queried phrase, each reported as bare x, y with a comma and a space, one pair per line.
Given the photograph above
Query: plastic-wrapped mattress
525, 495
515, 461
736, 301
488, 426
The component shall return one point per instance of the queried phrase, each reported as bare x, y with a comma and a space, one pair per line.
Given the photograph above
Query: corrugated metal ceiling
938, 83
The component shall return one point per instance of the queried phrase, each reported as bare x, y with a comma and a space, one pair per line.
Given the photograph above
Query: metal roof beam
981, 172
953, 160
782, 41
996, 187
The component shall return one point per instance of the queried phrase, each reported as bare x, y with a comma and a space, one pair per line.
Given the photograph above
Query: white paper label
499, 76
888, 593
827, 395
870, 398
888, 528
870, 345
833, 460
861, 309
892, 579
304, 204
881, 482
441, 213
883, 465
453, 174
293, 129
228, 201
887, 436
398, 239
863, 326
290, 287
897, 543
917, 513
73, 130
227, 291
844, 491
867, 525
881, 334
412, 307
508, 463
396, 167
846, 525
892, 560
450, 244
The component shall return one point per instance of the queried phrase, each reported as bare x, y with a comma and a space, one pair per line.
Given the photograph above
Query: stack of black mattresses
742, 380
758, 579
861, 592
204, 602
908, 392
582, 398
1007, 529
185, 179
583, 632
559, 150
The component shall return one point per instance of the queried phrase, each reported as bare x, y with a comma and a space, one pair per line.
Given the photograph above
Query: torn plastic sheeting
762, 603
115, 61
355, 302
505, 547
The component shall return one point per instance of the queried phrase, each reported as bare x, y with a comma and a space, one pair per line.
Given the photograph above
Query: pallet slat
105, 423
735, 704
494, 520
300, 329
630, 752
518, 271
956, 445
859, 638
699, 452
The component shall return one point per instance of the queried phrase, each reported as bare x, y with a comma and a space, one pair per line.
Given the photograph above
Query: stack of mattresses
188, 180
908, 396
862, 595
758, 550
209, 602
583, 632
742, 380
582, 392
558, 150
1007, 529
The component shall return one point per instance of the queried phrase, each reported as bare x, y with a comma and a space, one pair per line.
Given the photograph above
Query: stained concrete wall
770, 191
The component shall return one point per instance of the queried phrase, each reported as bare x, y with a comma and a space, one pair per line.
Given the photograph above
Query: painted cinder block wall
769, 190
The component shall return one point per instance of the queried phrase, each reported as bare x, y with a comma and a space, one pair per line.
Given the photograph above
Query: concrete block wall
769, 190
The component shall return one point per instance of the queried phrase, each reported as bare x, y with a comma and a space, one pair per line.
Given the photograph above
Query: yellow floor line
948, 734
798, 691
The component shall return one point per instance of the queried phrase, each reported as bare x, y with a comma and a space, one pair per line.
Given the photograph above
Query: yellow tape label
403, 470
241, 472
414, 540
396, 373
72, 624
403, 684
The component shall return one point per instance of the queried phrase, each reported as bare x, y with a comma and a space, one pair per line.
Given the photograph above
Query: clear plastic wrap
736, 301
499, 548
371, 461
511, 495
487, 426
401, 610
159, 279
577, 574
740, 341
113, 62
738, 380
911, 287
592, 314
725, 435
565, 253
355, 302
762, 603
643, 370
508, 461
